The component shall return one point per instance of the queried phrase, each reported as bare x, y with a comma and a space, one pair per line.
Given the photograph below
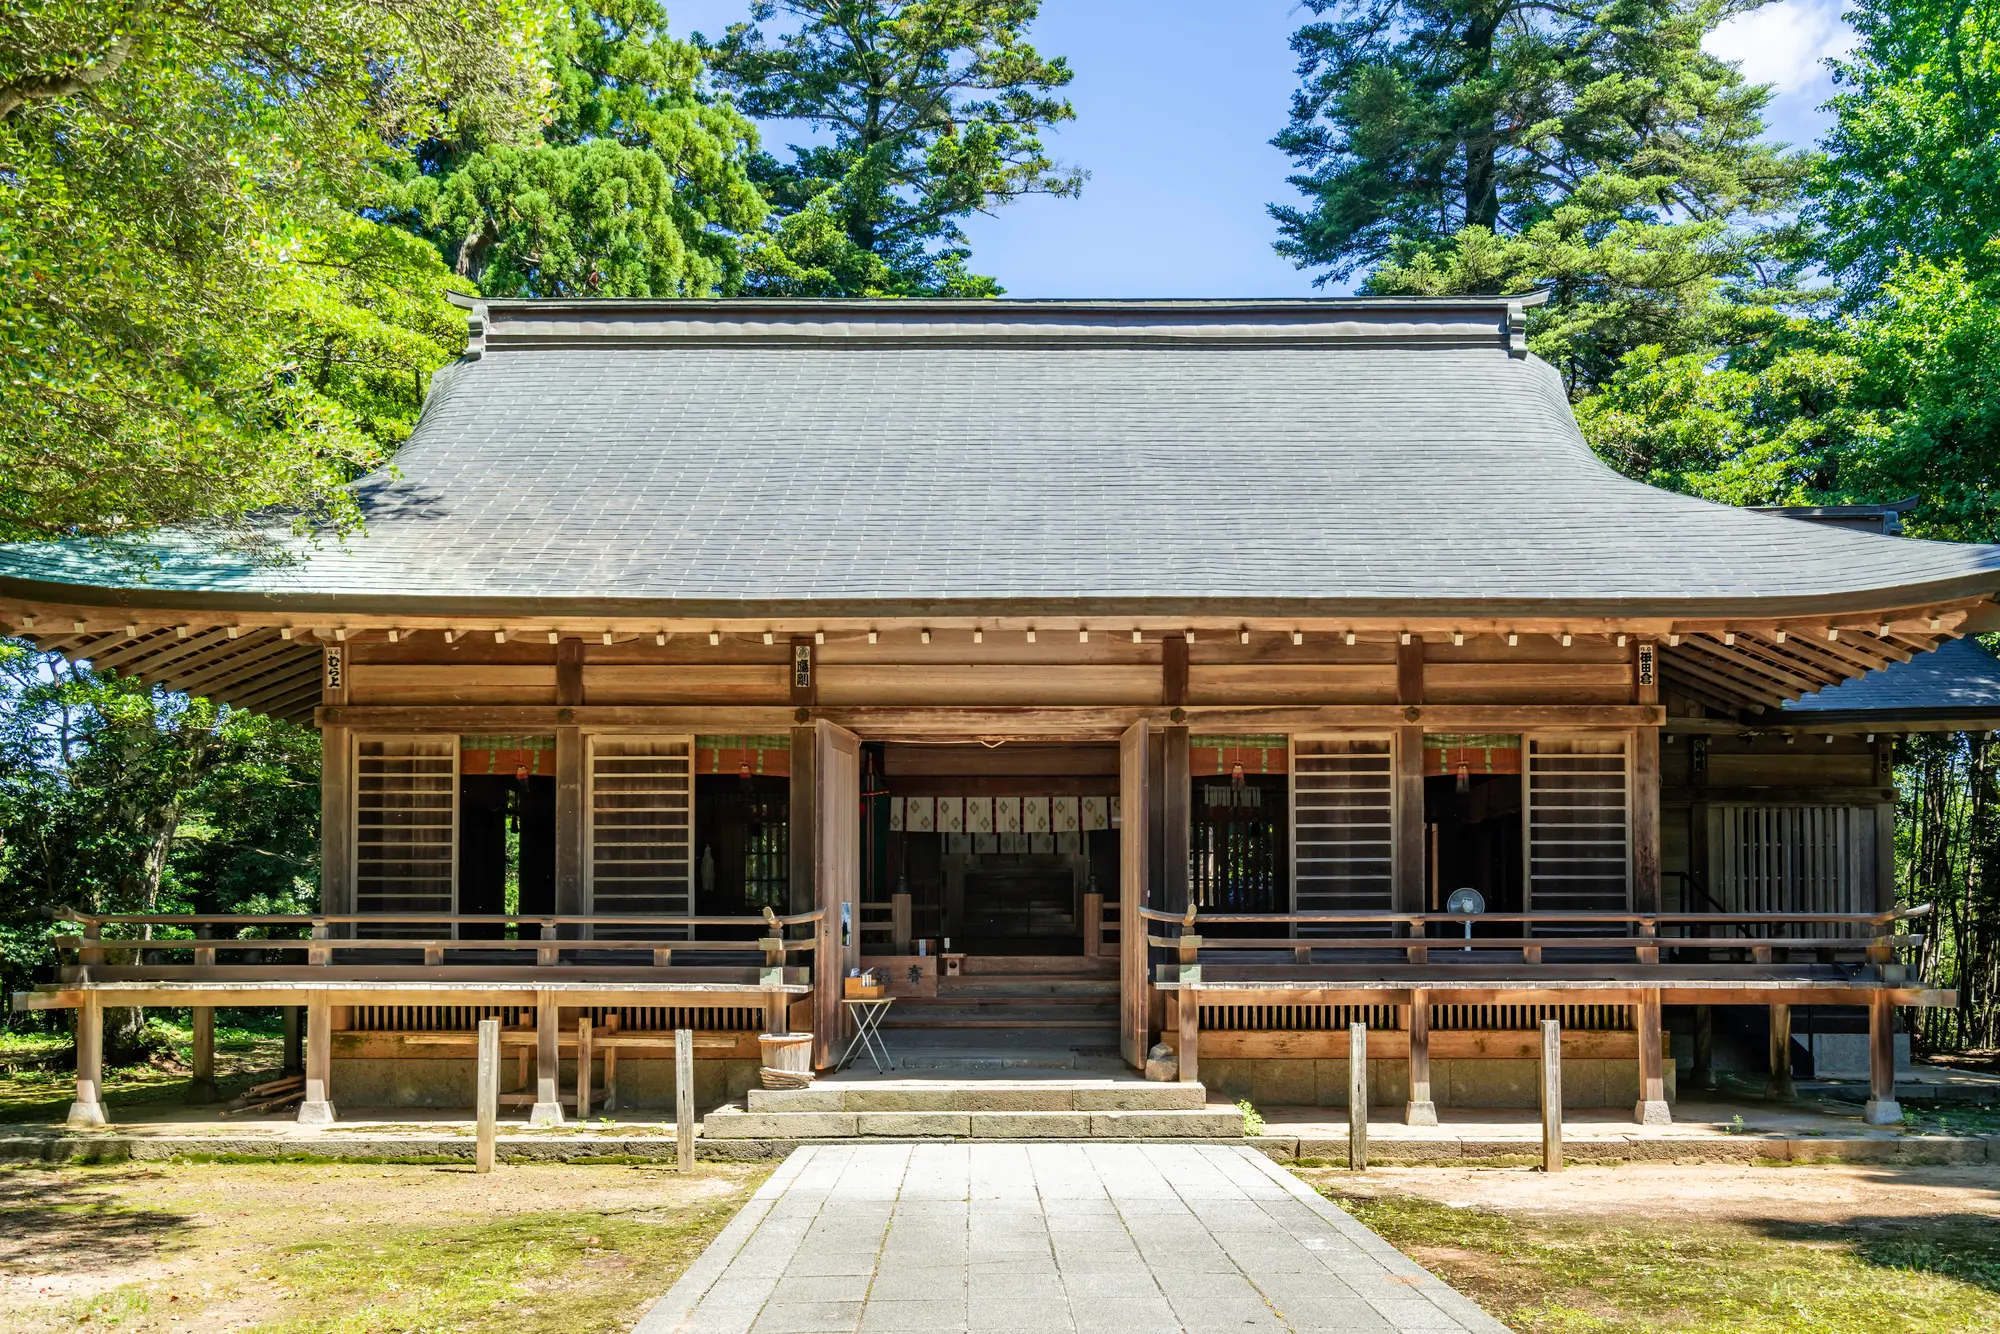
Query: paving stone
960, 1239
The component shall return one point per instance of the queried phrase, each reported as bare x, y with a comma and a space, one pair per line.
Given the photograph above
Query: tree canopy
198, 325
930, 111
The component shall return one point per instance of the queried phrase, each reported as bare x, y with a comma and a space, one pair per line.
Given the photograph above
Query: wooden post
899, 923
1882, 1108
1357, 1097
1552, 1096
1646, 823
611, 1064
1189, 1052
571, 895
1175, 813
547, 1110
317, 1109
1778, 1081
583, 1055
1134, 884
1408, 848
336, 800
88, 1108
684, 1098
488, 1094
1421, 1110
201, 1088
1704, 1046
1651, 1109
1093, 925
295, 1035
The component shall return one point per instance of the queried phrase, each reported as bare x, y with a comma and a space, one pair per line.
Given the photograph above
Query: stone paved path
1120, 1238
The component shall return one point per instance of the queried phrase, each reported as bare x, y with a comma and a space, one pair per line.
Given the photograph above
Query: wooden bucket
787, 1060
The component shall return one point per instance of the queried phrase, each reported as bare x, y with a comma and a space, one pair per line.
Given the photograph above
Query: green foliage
1487, 146
933, 110
1913, 161
637, 186
196, 326
119, 798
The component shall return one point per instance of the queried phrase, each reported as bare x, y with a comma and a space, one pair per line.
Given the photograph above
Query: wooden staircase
1052, 991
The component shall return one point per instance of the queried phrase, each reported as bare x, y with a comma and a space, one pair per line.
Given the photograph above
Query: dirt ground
1721, 1193
308, 1248
1719, 1249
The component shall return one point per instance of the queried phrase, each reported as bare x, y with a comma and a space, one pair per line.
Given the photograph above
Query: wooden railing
331, 942
1642, 939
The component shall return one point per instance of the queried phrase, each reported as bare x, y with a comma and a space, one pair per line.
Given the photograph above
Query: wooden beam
1410, 671
569, 671
1173, 670
1068, 722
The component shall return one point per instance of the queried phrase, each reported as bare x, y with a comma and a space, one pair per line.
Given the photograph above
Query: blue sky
1175, 103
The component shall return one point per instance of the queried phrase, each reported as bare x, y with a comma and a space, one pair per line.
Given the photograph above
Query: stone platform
976, 1108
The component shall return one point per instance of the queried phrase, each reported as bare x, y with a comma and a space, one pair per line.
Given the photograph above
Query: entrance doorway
1472, 820
997, 846
506, 828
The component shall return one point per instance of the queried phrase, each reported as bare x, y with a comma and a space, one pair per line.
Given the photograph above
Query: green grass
37, 1090
1935, 1274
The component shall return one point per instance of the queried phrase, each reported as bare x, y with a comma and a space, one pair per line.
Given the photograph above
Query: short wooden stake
684, 1098
201, 1088
583, 1055
1357, 1097
1552, 1096
488, 1093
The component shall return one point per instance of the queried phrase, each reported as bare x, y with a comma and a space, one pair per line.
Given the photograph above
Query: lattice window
641, 826
1771, 859
1343, 824
1579, 857
406, 828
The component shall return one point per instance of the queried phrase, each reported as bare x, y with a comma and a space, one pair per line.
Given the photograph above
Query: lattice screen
1793, 858
641, 826
406, 828
1343, 825
1579, 858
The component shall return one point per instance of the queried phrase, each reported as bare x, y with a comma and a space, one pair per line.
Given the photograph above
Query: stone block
727, 1123
1487, 1082
1230, 1079
1030, 1125
1006, 1099
819, 1098
1167, 1125
1175, 1097
1283, 1083
913, 1125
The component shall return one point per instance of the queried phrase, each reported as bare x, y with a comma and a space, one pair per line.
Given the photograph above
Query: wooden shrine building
1208, 652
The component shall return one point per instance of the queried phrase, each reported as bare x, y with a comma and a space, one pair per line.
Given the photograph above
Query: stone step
982, 1095
730, 1123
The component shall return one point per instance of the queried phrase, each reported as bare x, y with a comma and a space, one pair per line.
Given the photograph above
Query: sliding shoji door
406, 829
640, 836
1579, 824
1343, 825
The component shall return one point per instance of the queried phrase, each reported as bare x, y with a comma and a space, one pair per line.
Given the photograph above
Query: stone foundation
1455, 1082
444, 1081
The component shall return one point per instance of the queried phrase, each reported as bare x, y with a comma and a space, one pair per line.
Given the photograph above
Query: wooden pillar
1882, 1108
899, 923
1646, 820
547, 1110
1357, 1097
1134, 1028
1704, 1046
1174, 799
583, 1059
88, 1108
1778, 1078
1421, 1110
1189, 1048
1409, 845
684, 1098
336, 824
317, 1109
295, 1039
1093, 925
201, 1088
572, 896
488, 1095
1552, 1096
1651, 1109
835, 851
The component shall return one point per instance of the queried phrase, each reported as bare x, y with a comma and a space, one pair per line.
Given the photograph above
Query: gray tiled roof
1957, 677
1295, 456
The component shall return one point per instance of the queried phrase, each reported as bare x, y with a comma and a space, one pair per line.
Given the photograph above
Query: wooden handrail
444, 943
525, 919
1547, 918
1446, 945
